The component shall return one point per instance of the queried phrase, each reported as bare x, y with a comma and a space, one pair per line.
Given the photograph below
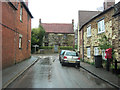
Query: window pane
88, 31
88, 52
20, 42
101, 26
96, 51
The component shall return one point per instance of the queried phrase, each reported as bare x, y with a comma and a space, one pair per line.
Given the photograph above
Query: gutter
26, 8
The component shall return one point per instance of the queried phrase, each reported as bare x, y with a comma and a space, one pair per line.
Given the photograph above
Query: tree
37, 35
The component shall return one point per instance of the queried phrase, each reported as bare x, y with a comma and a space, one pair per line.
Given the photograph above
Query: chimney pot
108, 3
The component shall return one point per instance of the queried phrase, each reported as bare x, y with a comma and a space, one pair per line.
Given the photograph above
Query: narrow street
49, 73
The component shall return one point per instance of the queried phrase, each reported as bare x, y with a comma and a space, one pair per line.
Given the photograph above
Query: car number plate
71, 61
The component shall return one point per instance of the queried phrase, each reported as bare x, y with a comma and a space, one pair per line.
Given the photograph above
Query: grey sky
60, 11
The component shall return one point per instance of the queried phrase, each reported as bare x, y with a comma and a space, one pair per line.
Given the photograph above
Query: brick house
103, 23
16, 32
58, 34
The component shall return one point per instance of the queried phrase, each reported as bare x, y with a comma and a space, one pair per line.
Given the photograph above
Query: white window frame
21, 13
20, 41
89, 31
101, 26
88, 52
103, 55
96, 51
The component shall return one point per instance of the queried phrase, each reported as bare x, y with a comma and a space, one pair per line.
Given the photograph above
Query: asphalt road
49, 73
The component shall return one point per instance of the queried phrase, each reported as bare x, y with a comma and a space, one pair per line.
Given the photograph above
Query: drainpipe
78, 39
83, 44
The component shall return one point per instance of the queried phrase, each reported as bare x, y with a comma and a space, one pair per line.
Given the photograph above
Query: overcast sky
60, 11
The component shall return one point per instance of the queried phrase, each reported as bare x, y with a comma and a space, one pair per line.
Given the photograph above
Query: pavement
102, 74
12, 73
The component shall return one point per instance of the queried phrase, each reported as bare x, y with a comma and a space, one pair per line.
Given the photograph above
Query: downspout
1, 46
83, 44
15, 37
78, 39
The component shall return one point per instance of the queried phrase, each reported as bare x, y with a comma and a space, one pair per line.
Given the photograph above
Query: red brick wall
10, 44
8, 49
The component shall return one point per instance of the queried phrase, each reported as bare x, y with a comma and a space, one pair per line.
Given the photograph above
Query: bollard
108, 65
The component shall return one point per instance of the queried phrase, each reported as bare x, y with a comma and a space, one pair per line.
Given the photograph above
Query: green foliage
37, 36
66, 47
47, 47
105, 44
76, 46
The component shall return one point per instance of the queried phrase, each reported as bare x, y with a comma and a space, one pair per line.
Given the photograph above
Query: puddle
45, 61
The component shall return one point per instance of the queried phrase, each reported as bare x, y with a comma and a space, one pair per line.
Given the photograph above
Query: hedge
66, 47
47, 47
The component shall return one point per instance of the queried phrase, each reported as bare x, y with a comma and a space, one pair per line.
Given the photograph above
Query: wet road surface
49, 73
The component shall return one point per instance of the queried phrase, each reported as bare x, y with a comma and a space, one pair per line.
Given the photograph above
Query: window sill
21, 21
20, 48
89, 36
101, 32
88, 56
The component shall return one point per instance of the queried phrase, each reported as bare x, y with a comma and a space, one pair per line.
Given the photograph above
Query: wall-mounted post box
108, 53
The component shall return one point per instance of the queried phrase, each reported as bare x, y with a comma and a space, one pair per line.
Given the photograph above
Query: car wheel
77, 66
60, 61
62, 64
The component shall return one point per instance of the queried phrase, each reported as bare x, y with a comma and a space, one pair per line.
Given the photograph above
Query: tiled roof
58, 28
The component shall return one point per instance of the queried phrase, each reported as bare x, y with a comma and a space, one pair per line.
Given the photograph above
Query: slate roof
58, 28
84, 16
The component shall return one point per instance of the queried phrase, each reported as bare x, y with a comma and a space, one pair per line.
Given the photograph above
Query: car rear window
62, 52
71, 54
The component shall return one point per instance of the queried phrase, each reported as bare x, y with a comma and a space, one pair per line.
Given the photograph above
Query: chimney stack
108, 3
26, 2
39, 21
73, 23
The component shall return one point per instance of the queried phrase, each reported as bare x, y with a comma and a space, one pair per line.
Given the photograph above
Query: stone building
116, 30
60, 34
101, 24
83, 17
16, 32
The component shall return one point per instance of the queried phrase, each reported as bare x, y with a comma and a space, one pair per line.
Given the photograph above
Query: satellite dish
100, 8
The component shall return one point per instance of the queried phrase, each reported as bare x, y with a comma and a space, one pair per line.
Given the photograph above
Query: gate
55, 48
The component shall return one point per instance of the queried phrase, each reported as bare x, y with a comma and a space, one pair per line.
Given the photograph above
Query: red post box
108, 53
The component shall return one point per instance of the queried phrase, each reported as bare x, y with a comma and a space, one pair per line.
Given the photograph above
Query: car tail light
65, 57
78, 58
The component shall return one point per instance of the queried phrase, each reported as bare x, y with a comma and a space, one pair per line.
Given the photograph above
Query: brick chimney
108, 3
73, 23
40, 22
26, 2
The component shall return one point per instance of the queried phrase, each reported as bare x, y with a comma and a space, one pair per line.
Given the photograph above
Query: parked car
70, 57
60, 55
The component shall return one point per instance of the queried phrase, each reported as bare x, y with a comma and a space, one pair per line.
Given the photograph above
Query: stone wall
59, 39
116, 36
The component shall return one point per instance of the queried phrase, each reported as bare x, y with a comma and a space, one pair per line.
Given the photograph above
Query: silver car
70, 57
61, 53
